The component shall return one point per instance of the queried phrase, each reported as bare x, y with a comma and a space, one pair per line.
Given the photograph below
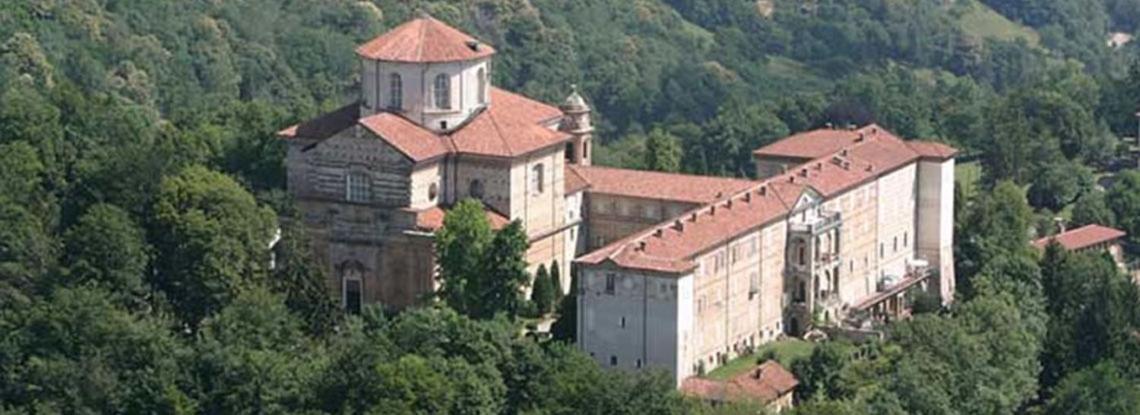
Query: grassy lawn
786, 351
979, 20
966, 176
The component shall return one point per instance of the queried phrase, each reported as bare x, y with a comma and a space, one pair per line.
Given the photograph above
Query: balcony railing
818, 224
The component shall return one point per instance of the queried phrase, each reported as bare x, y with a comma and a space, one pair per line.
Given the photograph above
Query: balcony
824, 222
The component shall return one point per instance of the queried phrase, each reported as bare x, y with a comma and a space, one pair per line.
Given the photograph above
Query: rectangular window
610, 283
906, 239
622, 323
882, 250
753, 284
639, 363
357, 187
613, 360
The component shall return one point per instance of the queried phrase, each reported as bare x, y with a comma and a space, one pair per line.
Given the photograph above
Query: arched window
475, 189
800, 252
352, 286
395, 92
482, 74
537, 178
442, 92
433, 191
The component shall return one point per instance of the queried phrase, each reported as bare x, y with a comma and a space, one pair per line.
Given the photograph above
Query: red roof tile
424, 40
431, 219
512, 125
660, 186
813, 144
669, 248
765, 383
1082, 237
572, 181
932, 149
417, 143
325, 125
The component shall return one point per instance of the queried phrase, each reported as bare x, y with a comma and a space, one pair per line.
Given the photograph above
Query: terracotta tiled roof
1082, 237
325, 125
660, 186
765, 383
932, 149
512, 125
572, 181
815, 143
431, 219
410, 139
424, 40
671, 246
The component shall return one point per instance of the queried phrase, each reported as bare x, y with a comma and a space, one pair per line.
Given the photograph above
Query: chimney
804, 172
712, 209
870, 167
719, 195
829, 125
846, 165
862, 136
728, 204
679, 225
748, 197
843, 152
473, 45
659, 232
818, 166
641, 245
763, 190
693, 218
791, 179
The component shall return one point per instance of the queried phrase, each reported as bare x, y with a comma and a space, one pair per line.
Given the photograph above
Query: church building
678, 272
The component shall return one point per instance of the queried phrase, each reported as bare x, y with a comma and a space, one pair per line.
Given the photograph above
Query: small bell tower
576, 122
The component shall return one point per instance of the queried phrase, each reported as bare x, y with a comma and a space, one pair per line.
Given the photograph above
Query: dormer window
396, 92
442, 92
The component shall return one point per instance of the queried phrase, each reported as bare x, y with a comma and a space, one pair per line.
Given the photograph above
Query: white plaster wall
897, 204
936, 220
422, 179
540, 212
418, 82
649, 307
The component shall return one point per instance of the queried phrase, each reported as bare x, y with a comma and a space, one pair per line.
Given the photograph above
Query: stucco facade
833, 241
677, 272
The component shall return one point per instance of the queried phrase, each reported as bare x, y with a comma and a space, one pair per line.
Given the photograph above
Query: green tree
108, 249
565, 329
252, 357
1100, 390
1059, 184
459, 247
1124, 200
212, 240
662, 151
76, 352
542, 295
301, 277
1092, 208
504, 271
556, 283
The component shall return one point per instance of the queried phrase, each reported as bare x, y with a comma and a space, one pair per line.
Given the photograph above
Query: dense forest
142, 184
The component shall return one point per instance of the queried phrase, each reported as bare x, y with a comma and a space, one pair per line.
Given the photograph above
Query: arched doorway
352, 286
